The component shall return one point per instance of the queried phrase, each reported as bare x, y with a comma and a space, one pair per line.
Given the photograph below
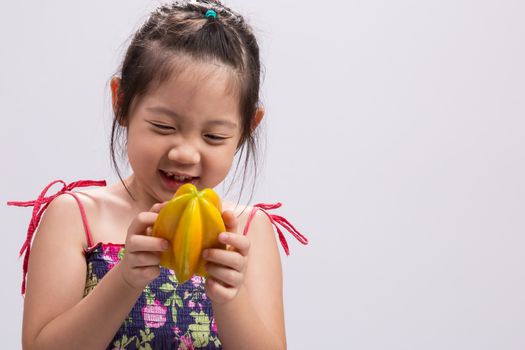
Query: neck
135, 195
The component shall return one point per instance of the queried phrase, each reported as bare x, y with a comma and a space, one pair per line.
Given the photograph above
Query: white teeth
177, 177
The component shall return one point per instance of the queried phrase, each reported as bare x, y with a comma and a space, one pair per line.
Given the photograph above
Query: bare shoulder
108, 213
260, 230
63, 218
258, 222
62, 222
56, 270
96, 199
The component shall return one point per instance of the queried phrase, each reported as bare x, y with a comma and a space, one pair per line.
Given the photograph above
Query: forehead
198, 89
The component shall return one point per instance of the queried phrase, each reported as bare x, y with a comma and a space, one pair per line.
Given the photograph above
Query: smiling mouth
173, 181
177, 177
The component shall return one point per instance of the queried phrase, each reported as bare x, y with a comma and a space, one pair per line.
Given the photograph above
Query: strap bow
277, 220
39, 206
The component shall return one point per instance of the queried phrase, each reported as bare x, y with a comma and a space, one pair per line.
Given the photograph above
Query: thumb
230, 221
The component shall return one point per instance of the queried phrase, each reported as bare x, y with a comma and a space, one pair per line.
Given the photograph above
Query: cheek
141, 153
219, 164
226, 162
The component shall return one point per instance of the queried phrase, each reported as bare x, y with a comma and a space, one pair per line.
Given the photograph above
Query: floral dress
167, 315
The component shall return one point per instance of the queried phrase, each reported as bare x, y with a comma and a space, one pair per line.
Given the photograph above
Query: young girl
185, 103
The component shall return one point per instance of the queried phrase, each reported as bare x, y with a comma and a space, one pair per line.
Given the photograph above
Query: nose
184, 153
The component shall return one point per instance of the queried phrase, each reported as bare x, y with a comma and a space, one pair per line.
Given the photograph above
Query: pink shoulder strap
276, 219
40, 205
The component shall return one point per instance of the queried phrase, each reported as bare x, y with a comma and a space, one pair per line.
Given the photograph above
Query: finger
218, 292
230, 259
155, 209
238, 242
158, 206
141, 222
230, 221
223, 274
145, 259
140, 243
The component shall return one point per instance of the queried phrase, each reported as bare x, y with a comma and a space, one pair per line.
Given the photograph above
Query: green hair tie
211, 13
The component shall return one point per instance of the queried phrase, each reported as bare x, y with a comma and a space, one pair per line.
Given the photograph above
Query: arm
249, 316
56, 316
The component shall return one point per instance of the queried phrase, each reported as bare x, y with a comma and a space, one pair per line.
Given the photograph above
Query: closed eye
162, 127
215, 137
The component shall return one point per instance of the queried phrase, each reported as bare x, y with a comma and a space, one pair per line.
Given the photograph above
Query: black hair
184, 28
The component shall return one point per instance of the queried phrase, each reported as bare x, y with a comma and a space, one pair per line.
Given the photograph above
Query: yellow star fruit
191, 222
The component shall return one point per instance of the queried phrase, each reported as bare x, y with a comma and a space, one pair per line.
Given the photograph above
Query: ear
116, 98
259, 114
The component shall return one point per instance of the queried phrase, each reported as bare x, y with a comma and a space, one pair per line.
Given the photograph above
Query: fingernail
223, 237
205, 254
165, 245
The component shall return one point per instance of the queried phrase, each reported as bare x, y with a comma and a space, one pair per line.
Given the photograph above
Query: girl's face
186, 130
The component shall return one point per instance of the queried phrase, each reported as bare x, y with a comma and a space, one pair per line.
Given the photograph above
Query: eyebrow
172, 114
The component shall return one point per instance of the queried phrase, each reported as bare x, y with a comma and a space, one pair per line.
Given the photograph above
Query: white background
394, 137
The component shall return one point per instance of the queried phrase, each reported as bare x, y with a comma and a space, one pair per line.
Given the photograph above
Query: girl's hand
140, 264
226, 268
